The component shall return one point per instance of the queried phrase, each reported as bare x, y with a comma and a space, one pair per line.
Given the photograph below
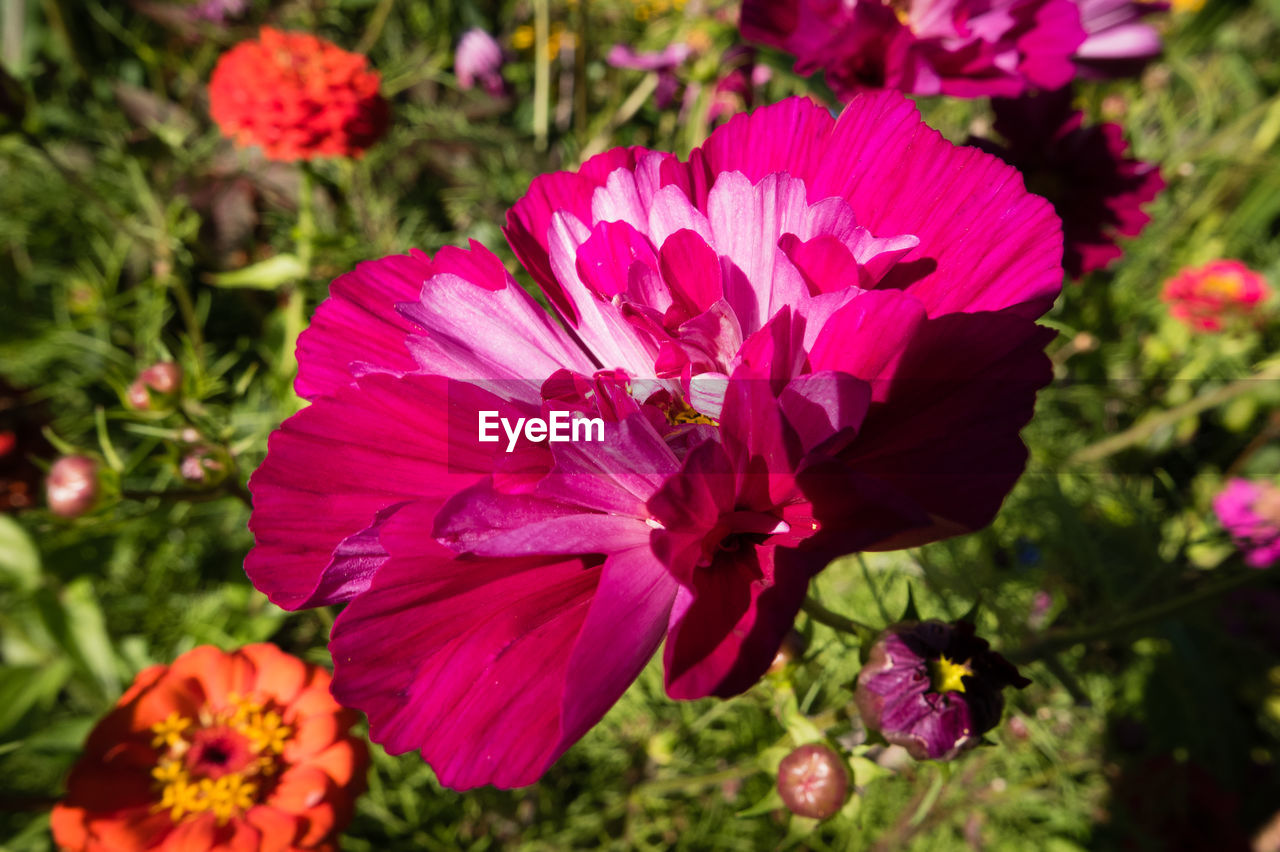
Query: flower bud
72, 486
813, 782
933, 688
201, 466
164, 378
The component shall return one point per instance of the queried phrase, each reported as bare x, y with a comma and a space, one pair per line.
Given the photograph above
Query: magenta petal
529, 219
819, 406
691, 269
359, 323
900, 176
334, 466
736, 616
482, 326
947, 433
493, 668
868, 336
618, 260
439, 654
635, 594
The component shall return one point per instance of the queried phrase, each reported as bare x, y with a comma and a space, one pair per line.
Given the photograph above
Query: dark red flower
933, 688
298, 97
1095, 188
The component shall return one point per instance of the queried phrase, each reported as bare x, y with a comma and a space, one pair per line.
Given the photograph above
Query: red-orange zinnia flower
235, 751
1207, 296
298, 97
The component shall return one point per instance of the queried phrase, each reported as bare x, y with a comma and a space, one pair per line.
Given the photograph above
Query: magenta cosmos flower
1250, 512
1083, 170
962, 48
813, 337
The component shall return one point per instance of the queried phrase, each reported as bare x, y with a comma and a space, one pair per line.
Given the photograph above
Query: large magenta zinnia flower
815, 336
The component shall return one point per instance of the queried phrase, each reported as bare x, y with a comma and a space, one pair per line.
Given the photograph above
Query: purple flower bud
479, 60
201, 466
72, 486
218, 11
813, 782
933, 688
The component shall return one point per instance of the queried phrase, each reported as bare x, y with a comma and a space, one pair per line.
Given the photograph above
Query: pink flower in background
479, 61
218, 11
662, 62
1096, 189
1250, 512
962, 48
1210, 296
815, 336
1117, 43
740, 78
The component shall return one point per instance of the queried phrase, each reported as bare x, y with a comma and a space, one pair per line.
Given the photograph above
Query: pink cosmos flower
1250, 512
962, 48
1096, 189
662, 62
1209, 297
478, 61
1117, 43
813, 337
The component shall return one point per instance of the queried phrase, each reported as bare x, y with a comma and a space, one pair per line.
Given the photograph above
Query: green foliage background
120, 205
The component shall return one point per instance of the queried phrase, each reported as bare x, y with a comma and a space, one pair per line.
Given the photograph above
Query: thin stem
1148, 426
1054, 641
295, 297
541, 73
672, 785
836, 621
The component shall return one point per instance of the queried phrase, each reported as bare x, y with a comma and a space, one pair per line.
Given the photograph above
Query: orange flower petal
279, 829
281, 676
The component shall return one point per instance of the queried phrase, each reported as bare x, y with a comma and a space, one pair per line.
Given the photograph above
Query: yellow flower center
681, 412
1222, 286
948, 675
219, 762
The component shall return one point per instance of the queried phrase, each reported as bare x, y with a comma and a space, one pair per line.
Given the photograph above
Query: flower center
217, 763
947, 675
1221, 286
1267, 506
680, 413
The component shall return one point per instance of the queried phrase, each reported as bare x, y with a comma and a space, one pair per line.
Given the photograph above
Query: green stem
672, 785
1148, 426
836, 621
1054, 641
295, 296
541, 73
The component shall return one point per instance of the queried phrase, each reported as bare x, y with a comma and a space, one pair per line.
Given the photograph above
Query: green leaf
22, 687
74, 620
268, 274
19, 559
772, 801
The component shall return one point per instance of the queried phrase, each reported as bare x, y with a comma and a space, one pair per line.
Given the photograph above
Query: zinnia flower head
815, 336
933, 688
241, 751
1250, 512
1210, 297
297, 97
1083, 171
479, 60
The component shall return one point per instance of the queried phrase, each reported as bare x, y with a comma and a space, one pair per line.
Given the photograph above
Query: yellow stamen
169, 733
948, 675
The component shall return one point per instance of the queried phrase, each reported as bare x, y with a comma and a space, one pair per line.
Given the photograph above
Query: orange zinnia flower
298, 97
238, 751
